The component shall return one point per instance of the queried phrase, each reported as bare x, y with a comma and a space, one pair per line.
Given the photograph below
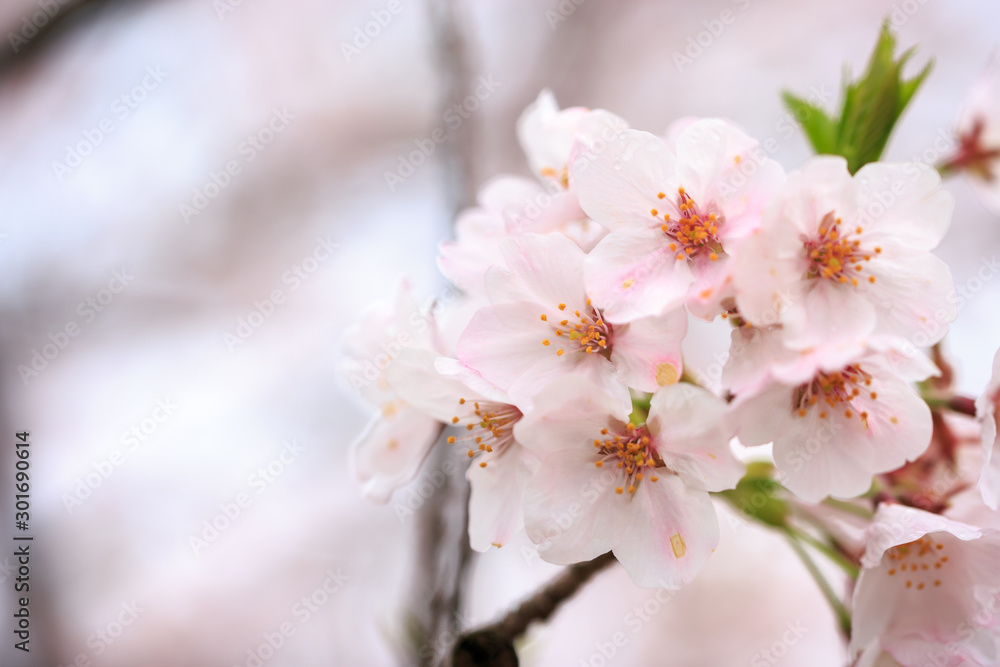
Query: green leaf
819, 128
871, 107
758, 496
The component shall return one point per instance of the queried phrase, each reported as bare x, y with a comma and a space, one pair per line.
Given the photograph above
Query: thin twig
843, 616
493, 645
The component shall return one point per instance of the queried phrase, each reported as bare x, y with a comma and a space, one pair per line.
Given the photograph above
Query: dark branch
493, 645
71, 15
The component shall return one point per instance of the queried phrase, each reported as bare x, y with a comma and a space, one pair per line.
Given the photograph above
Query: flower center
585, 332
631, 454
490, 432
694, 232
843, 389
919, 563
835, 255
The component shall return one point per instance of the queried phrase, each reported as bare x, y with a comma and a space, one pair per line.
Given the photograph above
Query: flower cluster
559, 369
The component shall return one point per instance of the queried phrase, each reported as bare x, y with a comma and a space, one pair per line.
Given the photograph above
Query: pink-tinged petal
902, 206
647, 351
823, 185
917, 651
829, 312
633, 273
591, 368
767, 274
719, 163
875, 600
692, 437
507, 196
895, 525
914, 298
390, 451
503, 341
901, 358
759, 417
569, 415
571, 510
416, 381
381, 332
874, 656
677, 128
754, 353
670, 533
619, 186
495, 512
465, 264
551, 267
713, 285
838, 454
476, 383
594, 130
926, 593
546, 134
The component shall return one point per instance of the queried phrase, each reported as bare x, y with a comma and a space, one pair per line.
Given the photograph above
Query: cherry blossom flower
841, 258
388, 453
549, 135
979, 136
674, 219
454, 395
541, 326
509, 206
929, 591
986, 412
836, 415
604, 483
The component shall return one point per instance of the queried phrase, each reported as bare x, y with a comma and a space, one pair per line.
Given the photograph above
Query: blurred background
167, 166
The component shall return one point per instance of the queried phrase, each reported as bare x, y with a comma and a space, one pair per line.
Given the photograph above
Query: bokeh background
153, 419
